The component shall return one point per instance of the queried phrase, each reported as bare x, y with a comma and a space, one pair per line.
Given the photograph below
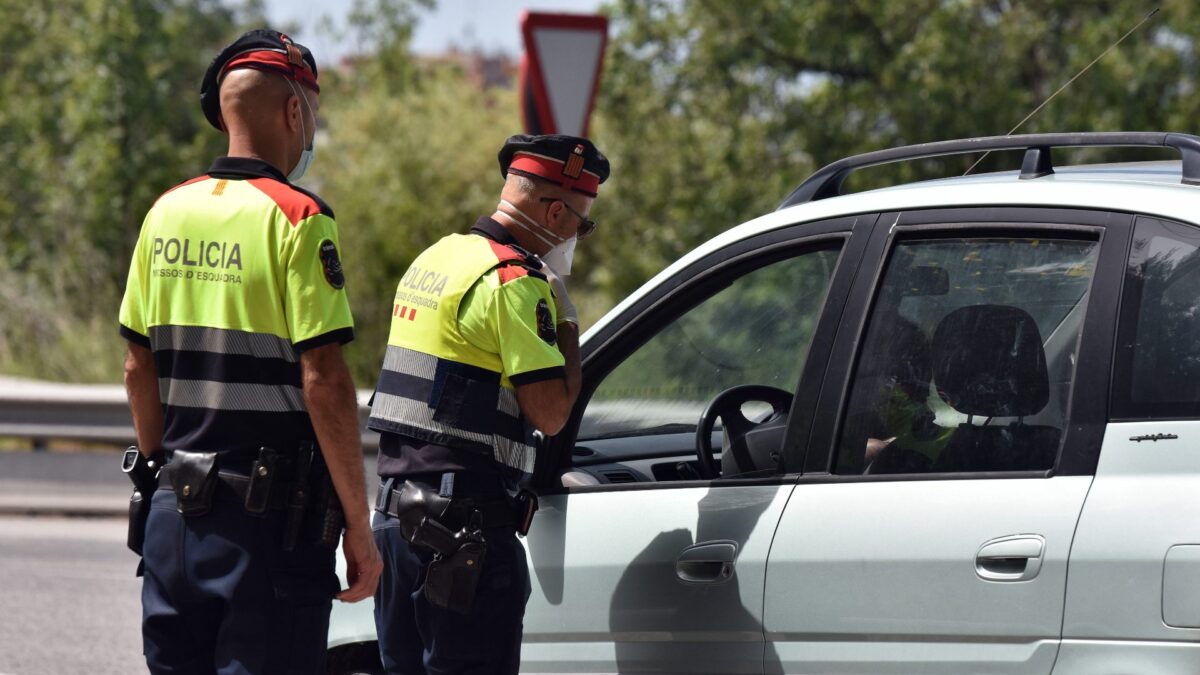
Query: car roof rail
827, 182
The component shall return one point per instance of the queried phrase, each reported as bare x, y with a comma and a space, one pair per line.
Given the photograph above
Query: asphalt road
69, 600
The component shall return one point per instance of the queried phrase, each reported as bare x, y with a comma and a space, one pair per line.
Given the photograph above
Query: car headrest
988, 360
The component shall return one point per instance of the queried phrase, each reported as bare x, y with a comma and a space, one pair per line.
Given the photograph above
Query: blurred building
485, 70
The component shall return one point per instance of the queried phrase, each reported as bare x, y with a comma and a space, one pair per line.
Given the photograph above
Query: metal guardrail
95, 413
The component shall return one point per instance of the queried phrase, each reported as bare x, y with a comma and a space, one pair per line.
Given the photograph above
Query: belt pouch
527, 505
298, 497
194, 477
262, 477
333, 520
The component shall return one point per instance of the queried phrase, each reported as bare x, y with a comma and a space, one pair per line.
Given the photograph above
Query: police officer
235, 314
483, 349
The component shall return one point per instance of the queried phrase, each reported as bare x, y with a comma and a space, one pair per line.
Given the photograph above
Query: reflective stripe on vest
435, 386
202, 359
451, 404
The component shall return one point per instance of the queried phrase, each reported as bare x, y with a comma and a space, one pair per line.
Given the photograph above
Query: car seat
988, 361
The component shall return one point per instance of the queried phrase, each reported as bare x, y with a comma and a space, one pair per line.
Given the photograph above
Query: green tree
403, 169
713, 111
98, 116
407, 156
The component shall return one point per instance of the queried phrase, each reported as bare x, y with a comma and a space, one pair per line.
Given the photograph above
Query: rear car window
968, 357
1157, 374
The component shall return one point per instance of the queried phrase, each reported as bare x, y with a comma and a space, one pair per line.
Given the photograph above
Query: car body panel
606, 597
1121, 657
1144, 503
870, 572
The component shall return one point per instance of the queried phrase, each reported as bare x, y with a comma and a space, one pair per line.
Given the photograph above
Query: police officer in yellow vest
483, 350
235, 314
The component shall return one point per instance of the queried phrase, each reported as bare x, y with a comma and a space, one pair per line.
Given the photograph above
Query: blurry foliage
710, 111
713, 111
98, 116
403, 167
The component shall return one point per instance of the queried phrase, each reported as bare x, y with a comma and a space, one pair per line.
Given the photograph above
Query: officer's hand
363, 564
564, 308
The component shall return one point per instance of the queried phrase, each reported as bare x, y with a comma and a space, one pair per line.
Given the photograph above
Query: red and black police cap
266, 50
569, 161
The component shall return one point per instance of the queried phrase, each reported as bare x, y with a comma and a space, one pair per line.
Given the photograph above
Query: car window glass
756, 330
968, 357
1159, 361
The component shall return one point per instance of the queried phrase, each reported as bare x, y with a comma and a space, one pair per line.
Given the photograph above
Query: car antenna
1068, 83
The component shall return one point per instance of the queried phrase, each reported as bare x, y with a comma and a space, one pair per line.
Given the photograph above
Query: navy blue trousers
416, 637
220, 596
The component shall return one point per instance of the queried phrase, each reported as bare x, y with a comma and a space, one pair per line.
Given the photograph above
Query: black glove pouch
194, 477
451, 580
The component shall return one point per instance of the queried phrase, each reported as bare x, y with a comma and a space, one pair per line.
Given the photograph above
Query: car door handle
1012, 558
709, 562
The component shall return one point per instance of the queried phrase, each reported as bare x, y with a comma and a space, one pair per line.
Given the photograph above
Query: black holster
458, 559
143, 472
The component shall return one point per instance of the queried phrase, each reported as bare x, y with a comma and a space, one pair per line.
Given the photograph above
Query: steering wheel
727, 405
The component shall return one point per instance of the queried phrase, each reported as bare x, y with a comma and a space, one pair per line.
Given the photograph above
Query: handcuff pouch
194, 477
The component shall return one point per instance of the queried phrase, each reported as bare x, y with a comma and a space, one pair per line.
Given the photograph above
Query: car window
1158, 364
968, 357
756, 330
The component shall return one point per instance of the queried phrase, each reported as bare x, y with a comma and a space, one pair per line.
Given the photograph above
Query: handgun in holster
143, 472
457, 565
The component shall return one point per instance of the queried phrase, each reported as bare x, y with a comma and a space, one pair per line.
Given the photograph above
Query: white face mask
306, 156
562, 251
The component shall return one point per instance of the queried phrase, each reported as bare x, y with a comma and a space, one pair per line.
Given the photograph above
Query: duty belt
491, 512
231, 486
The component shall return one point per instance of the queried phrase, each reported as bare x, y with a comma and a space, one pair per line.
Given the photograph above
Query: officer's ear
556, 217
293, 112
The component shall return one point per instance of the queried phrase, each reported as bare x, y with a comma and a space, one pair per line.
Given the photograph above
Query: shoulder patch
295, 204
332, 264
545, 323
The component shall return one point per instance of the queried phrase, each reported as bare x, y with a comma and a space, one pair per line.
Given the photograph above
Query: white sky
489, 25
